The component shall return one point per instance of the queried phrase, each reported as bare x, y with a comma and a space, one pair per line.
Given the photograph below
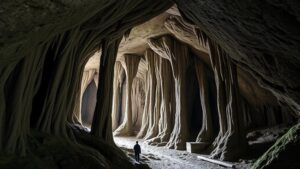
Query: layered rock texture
44, 48
73, 74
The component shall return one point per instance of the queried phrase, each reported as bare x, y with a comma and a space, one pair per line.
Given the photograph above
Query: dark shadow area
194, 105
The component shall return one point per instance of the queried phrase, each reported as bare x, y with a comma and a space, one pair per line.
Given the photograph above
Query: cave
199, 83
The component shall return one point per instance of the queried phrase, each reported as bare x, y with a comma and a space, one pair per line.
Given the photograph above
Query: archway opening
88, 104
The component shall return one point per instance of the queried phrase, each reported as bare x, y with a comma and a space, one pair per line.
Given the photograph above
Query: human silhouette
137, 151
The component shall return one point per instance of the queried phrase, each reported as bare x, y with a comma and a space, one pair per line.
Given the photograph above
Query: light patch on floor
163, 158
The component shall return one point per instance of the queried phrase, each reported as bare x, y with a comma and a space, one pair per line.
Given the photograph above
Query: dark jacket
137, 149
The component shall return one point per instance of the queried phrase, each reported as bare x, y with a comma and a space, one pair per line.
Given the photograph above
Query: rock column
165, 121
152, 130
102, 125
130, 64
178, 55
118, 77
230, 118
206, 133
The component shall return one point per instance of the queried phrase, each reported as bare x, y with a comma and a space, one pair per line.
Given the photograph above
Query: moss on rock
284, 153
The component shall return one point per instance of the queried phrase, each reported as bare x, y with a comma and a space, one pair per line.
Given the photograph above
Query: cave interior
208, 78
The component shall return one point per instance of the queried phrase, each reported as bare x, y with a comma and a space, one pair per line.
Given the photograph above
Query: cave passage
179, 90
200, 84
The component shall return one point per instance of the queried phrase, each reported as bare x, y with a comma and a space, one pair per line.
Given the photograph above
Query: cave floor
163, 158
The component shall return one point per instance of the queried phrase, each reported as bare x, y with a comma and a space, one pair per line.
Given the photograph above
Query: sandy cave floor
163, 158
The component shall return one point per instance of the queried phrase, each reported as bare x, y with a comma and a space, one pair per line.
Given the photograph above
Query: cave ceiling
165, 23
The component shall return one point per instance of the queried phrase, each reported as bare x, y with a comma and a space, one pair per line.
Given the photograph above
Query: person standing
137, 151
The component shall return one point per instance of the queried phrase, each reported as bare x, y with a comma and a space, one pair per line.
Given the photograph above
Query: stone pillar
206, 134
102, 125
130, 64
118, 77
165, 121
152, 82
230, 118
87, 77
178, 55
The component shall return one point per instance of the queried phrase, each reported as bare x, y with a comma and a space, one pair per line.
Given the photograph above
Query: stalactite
206, 133
118, 77
178, 55
130, 64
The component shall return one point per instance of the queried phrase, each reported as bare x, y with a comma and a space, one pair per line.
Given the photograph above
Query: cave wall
261, 36
44, 46
41, 68
243, 105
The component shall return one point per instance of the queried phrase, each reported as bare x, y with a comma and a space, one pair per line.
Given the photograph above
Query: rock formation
152, 114
41, 67
206, 134
231, 128
243, 54
118, 78
130, 65
165, 121
178, 56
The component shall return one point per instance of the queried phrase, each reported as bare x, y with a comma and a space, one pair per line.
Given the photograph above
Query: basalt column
130, 64
118, 77
178, 55
230, 118
206, 134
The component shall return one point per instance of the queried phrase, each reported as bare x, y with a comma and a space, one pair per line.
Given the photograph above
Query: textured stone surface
261, 36
284, 153
44, 46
